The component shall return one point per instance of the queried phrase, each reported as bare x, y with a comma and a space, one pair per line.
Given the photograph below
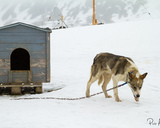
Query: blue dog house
24, 57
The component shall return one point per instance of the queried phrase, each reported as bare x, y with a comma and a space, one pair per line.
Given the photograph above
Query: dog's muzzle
136, 97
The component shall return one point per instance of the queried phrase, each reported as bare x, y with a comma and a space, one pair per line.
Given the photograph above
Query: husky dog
119, 68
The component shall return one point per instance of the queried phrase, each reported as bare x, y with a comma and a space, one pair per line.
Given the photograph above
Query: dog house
24, 57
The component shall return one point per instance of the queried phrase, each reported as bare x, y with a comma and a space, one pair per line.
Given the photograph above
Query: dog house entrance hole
20, 59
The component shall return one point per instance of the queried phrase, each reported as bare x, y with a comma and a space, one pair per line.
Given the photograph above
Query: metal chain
79, 98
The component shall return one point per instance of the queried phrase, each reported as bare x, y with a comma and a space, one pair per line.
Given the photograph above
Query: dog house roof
27, 25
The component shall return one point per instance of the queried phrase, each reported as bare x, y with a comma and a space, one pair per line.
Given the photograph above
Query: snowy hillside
76, 12
72, 53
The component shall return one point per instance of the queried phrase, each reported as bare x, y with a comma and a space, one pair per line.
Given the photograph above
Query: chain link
56, 98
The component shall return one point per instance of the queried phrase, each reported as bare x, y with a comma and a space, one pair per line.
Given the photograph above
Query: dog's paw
87, 95
109, 96
119, 100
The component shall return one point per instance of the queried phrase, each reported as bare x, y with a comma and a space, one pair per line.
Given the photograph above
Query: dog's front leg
115, 83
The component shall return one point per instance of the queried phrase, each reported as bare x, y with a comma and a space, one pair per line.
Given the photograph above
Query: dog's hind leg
94, 76
90, 82
107, 78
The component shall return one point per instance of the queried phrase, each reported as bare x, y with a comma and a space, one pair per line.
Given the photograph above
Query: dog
106, 66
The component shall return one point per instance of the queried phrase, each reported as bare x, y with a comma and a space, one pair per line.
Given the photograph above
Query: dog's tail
100, 80
94, 71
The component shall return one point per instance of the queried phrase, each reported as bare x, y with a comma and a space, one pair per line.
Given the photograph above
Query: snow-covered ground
72, 53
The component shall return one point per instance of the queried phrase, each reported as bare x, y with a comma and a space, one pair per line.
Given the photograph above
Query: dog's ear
131, 76
143, 76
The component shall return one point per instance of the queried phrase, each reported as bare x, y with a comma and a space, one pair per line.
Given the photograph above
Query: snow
72, 53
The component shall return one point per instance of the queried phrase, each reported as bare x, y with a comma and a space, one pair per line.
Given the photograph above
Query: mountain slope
76, 13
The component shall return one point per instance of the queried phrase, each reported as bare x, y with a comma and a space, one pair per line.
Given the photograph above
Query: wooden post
62, 21
16, 91
39, 89
94, 20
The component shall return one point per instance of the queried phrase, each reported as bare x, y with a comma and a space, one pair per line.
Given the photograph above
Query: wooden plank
21, 29
14, 86
19, 76
4, 63
39, 78
21, 34
48, 56
4, 79
4, 55
22, 39
38, 63
4, 72
38, 55
38, 70
29, 47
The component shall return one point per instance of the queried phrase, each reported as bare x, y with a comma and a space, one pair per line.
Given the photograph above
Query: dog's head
135, 82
